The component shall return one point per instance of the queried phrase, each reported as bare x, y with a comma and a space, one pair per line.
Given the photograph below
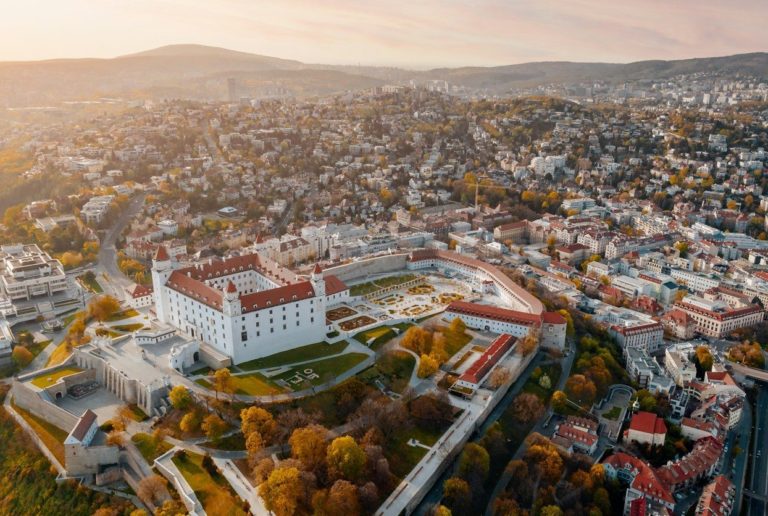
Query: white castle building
245, 307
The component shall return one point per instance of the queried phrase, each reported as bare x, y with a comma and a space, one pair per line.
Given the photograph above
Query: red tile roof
83, 425
648, 422
504, 314
195, 289
277, 296
162, 254
333, 285
493, 353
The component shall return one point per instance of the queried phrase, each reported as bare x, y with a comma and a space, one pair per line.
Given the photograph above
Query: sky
408, 33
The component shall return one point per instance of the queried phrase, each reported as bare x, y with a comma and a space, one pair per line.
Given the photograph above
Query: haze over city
422, 34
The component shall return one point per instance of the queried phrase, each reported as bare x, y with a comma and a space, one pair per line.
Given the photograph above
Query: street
107, 272
756, 491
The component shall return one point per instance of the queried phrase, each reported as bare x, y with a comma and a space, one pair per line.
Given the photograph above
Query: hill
200, 72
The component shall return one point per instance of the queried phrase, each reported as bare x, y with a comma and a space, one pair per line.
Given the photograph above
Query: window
244, 336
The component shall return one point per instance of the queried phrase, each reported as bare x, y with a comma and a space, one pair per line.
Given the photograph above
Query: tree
559, 401
457, 326
474, 464
427, 366
528, 345
545, 458
102, 308
254, 443
214, 427
308, 445
115, 438
551, 510
442, 510
527, 408
345, 459
499, 376
180, 397
341, 499
257, 419
263, 469
457, 495
152, 489
222, 382
282, 491
580, 389
418, 340
704, 359
21, 356
431, 410
190, 422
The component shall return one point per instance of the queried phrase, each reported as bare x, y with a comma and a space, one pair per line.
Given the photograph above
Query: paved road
758, 483
108, 274
436, 493
498, 489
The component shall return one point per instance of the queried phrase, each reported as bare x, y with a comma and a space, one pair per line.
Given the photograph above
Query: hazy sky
415, 33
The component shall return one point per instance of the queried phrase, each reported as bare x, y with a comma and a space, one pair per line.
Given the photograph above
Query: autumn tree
103, 307
191, 421
418, 340
345, 459
213, 426
308, 445
527, 345
457, 326
21, 356
283, 491
431, 410
340, 499
427, 366
499, 376
457, 495
254, 444
257, 419
474, 464
222, 382
580, 389
180, 397
704, 359
152, 489
527, 408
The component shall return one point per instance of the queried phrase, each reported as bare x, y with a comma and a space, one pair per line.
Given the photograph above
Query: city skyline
467, 33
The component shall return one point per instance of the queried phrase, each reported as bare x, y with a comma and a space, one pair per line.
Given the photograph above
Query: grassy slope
29, 485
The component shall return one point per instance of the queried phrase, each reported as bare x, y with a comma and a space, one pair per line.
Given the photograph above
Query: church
245, 307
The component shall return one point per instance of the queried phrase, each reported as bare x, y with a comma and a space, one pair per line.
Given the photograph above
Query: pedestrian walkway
242, 486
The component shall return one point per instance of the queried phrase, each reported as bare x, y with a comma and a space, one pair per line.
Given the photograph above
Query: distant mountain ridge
200, 72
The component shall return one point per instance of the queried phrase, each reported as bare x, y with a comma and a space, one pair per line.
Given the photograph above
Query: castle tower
317, 281
231, 305
162, 267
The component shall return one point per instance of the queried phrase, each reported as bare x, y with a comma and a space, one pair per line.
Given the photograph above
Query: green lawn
137, 414
377, 337
309, 352
325, 369
213, 491
90, 283
231, 442
52, 436
128, 328
122, 314
402, 457
612, 414
372, 286
149, 447
250, 384
454, 341
396, 368
67, 320
49, 379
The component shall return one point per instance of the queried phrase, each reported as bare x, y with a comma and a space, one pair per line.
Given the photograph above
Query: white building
245, 307
27, 272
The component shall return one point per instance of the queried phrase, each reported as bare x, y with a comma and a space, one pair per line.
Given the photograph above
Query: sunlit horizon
397, 33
